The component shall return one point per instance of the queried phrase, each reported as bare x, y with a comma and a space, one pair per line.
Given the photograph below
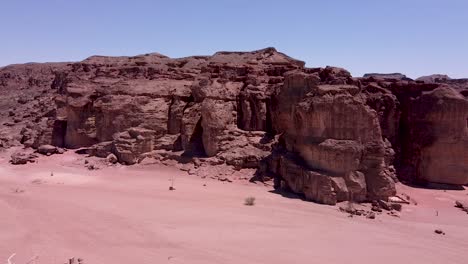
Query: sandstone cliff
316, 131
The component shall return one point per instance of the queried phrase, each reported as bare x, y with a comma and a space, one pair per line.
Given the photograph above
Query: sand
124, 214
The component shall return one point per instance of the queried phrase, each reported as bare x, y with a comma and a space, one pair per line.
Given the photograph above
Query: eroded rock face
27, 108
216, 117
426, 128
436, 137
327, 125
316, 131
130, 144
191, 105
20, 158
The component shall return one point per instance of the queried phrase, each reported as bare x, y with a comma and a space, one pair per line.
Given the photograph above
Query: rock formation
316, 131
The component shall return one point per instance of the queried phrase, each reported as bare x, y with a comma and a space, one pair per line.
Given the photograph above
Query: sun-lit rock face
332, 148
192, 101
316, 131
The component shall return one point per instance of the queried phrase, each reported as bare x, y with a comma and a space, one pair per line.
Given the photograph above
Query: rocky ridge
318, 132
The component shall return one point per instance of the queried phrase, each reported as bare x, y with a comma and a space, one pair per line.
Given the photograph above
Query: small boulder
371, 215
47, 149
376, 208
384, 205
19, 158
60, 150
396, 206
111, 158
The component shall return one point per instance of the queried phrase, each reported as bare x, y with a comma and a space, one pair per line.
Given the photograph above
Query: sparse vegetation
172, 188
249, 201
18, 190
36, 181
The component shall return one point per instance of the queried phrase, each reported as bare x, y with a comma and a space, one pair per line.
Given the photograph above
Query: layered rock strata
316, 131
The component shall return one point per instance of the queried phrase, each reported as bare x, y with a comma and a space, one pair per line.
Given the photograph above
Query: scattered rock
47, 150
376, 208
396, 206
60, 150
394, 214
398, 199
224, 179
8, 124
371, 215
384, 205
18, 158
111, 158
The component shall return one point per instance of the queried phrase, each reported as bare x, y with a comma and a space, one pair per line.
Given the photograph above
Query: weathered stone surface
436, 137
319, 131
216, 116
327, 123
102, 149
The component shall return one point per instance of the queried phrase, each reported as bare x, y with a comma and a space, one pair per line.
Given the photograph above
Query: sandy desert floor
127, 215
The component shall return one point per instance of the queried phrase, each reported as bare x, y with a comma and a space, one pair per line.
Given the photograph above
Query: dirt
126, 214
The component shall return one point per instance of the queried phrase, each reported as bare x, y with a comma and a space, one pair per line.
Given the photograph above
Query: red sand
128, 215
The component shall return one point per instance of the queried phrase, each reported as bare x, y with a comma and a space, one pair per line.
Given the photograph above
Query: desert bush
249, 201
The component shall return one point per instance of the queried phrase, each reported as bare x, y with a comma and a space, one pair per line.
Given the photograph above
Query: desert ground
56, 209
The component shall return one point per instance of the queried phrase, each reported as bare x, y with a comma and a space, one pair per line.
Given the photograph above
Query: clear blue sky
415, 37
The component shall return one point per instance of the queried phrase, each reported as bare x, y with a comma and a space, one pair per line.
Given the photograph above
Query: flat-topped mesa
317, 131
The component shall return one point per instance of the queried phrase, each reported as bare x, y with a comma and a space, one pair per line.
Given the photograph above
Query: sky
414, 37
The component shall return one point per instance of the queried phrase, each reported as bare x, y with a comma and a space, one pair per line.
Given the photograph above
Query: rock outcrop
316, 131
332, 148
151, 102
434, 136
